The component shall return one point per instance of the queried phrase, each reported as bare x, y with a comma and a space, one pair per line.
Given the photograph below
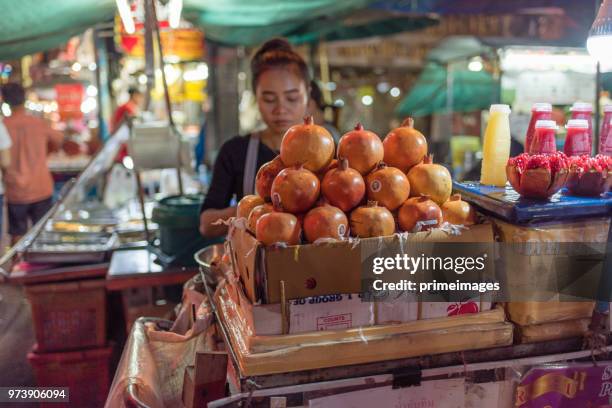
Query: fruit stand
299, 321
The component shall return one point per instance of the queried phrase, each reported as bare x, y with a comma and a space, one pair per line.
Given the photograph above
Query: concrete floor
16, 337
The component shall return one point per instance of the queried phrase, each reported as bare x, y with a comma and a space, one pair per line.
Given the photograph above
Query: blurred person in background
5, 160
281, 84
28, 181
129, 109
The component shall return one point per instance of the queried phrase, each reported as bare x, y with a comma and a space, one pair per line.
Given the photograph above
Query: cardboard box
316, 270
332, 312
401, 309
431, 310
498, 394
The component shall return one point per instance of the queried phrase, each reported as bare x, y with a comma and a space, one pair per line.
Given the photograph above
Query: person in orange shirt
129, 109
28, 181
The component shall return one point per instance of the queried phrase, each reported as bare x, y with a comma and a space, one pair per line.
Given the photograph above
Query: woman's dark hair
277, 53
13, 94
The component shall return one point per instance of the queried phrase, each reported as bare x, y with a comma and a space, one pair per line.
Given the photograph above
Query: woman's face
282, 98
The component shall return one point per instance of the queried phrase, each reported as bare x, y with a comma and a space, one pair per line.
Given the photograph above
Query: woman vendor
280, 81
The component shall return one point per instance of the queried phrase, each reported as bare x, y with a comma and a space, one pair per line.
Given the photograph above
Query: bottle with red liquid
584, 110
539, 111
577, 139
544, 138
605, 142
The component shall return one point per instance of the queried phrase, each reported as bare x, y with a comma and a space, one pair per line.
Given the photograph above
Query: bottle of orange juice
496, 149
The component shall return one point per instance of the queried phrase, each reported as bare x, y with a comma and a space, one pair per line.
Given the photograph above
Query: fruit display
538, 176
325, 221
309, 145
296, 188
371, 220
430, 179
388, 186
419, 214
247, 204
404, 146
589, 176
458, 212
343, 187
266, 175
306, 195
362, 148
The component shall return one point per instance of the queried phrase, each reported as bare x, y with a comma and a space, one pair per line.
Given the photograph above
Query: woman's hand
208, 217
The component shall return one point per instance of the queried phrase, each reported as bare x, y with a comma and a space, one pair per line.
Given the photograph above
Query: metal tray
61, 252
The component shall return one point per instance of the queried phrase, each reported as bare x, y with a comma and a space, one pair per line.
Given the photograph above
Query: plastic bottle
577, 139
544, 139
606, 132
539, 111
496, 149
584, 110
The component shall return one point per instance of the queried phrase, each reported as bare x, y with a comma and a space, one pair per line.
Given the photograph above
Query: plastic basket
68, 316
86, 374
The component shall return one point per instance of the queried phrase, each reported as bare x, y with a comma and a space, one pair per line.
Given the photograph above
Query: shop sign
69, 98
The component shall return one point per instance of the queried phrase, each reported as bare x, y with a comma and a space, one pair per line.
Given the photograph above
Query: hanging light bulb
599, 42
175, 8
126, 16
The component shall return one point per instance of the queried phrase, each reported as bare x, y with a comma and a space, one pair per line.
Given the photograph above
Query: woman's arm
208, 218
219, 194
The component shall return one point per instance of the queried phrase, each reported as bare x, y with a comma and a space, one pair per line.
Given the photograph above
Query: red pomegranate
419, 214
362, 148
589, 176
388, 186
278, 227
538, 176
405, 146
458, 212
256, 213
430, 179
332, 165
307, 144
296, 188
372, 221
247, 204
325, 221
266, 175
343, 187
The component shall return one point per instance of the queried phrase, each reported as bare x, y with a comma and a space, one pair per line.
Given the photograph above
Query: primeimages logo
412, 264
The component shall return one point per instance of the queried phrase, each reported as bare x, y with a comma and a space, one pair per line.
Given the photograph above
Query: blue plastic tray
507, 204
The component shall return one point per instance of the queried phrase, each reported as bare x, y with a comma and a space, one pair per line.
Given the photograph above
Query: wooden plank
59, 274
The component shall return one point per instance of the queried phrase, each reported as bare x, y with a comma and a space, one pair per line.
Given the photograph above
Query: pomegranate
362, 148
458, 212
309, 145
266, 175
589, 176
343, 187
538, 176
430, 179
325, 221
332, 165
296, 188
278, 227
419, 214
388, 186
404, 146
372, 221
256, 213
247, 203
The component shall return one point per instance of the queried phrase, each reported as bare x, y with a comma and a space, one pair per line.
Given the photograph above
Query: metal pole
595, 146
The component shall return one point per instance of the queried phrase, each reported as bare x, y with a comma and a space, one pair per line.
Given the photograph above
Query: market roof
471, 91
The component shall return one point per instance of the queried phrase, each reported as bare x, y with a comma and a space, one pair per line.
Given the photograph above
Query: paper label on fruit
420, 224
376, 186
341, 230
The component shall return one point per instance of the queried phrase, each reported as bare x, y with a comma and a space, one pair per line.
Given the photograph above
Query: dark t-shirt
228, 172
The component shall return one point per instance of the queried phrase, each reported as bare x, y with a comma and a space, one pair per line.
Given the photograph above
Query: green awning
471, 91
30, 26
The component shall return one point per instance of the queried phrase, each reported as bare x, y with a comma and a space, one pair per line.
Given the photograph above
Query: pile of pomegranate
372, 188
